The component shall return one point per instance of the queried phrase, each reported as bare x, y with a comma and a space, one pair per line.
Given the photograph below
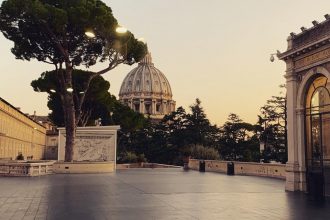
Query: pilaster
295, 176
142, 106
153, 106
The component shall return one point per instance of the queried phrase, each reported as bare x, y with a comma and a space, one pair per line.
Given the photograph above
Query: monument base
84, 167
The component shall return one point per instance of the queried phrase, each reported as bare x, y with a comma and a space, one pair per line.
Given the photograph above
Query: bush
128, 157
20, 156
205, 153
131, 157
141, 158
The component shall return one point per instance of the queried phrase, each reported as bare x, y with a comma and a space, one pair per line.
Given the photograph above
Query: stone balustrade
26, 168
242, 168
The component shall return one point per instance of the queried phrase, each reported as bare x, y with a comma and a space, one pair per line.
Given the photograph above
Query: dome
146, 79
146, 89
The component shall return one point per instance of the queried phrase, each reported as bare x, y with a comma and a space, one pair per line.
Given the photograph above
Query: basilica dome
145, 89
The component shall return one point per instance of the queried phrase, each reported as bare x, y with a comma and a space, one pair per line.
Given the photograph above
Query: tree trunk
69, 114
70, 127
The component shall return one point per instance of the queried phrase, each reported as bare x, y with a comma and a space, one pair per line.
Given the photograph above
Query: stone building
20, 134
145, 89
51, 137
308, 108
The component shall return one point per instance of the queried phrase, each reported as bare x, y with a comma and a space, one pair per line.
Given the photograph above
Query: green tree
98, 101
199, 128
133, 135
273, 132
175, 135
169, 138
54, 32
238, 141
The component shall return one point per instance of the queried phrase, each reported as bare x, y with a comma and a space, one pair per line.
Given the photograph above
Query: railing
26, 168
242, 168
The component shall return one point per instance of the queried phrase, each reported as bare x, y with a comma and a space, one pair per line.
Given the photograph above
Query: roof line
1, 99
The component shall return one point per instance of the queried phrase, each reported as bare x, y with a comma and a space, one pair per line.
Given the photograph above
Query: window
147, 85
318, 124
137, 107
148, 111
137, 85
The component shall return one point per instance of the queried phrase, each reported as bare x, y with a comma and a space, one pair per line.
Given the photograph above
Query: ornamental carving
314, 58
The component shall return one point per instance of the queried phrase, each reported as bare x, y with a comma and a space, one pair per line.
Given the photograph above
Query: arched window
318, 125
147, 85
318, 96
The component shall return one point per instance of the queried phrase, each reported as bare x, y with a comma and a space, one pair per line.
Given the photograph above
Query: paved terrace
153, 194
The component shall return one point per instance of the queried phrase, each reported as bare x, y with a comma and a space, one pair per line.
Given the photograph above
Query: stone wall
20, 134
242, 168
84, 167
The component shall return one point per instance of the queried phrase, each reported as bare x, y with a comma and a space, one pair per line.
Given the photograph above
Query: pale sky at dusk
215, 50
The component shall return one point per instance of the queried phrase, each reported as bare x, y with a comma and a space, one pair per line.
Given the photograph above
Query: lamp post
272, 58
111, 113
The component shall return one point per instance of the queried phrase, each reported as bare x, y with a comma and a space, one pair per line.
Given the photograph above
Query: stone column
164, 110
293, 168
142, 106
301, 148
130, 104
153, 107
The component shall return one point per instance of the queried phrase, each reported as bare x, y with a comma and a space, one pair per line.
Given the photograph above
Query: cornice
293, 53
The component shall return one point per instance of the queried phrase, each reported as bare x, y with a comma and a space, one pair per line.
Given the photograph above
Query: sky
214, 50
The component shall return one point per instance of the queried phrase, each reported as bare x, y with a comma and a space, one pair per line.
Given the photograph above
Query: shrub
205, 153
141, 158
128, 157
20, 156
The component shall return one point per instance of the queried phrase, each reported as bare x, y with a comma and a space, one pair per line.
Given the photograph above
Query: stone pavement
153, 194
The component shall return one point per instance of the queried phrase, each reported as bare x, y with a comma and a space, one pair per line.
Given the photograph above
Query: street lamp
272, 58
52, 90
70, 90
121, 30
90, 33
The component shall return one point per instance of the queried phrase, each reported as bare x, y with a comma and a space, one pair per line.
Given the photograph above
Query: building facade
20, 134
308, 108
145, 89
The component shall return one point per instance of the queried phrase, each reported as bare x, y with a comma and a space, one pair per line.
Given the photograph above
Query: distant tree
273, 132
174, 128
134, 129
199, 128
98, 101
175, 135
169, 137
238, 140
54, 32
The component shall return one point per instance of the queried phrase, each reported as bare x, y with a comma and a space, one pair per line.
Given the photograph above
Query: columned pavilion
308, 108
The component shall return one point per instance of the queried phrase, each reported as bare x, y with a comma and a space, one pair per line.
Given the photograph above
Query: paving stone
153, 194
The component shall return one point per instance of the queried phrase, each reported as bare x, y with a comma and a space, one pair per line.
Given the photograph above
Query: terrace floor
153, 194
